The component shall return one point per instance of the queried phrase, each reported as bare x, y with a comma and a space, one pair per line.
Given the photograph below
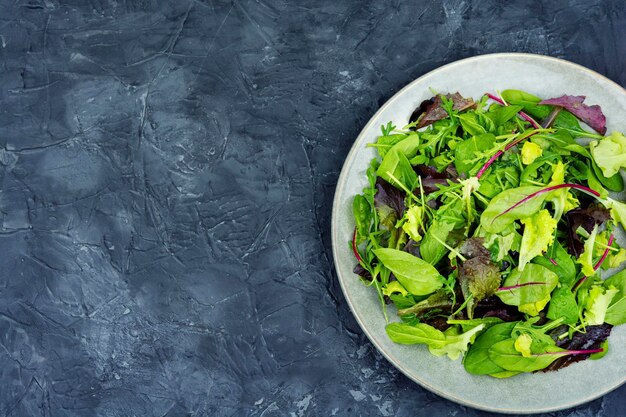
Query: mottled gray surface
167, 172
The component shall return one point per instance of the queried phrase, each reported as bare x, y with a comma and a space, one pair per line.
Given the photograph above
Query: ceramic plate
527, 393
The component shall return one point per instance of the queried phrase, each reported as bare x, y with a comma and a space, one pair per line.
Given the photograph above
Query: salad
489, 226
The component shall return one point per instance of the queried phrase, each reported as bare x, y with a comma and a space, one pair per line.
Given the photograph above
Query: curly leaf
610, 153
538, 236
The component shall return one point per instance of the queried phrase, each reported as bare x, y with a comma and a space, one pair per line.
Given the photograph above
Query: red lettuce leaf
431, 110
592, 115
388, 195
588, 217
591, 339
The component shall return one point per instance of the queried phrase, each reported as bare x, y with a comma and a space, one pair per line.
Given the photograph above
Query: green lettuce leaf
586, 258
610, 153
616, 313
457, 342
597, 304
538, 236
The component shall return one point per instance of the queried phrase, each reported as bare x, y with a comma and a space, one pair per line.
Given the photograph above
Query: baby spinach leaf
529, 289
502, 114
477, 359
432, 249
507, 357
396, 167
465, 153
469, 122
563, 304
416, 275
564, 267
419, 333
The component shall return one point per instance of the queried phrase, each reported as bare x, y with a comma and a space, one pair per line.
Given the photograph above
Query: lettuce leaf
610, 153
538, 236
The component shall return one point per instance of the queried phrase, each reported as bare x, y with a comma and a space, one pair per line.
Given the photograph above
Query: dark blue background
166, 178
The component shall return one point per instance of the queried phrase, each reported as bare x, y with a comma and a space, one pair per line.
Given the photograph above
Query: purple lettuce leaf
586, 218
432, 179
389, 196
592, 115
431, 110
591, 339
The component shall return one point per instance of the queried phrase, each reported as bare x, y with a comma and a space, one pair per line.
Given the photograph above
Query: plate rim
335, 239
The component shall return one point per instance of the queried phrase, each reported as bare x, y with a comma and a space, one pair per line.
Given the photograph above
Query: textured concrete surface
166, 178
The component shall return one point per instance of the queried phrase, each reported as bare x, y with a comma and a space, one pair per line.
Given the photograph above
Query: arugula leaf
529, 289
438, 300
362, 214
538, 235
416, 275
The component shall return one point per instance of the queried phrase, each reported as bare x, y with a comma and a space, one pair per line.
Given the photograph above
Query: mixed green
488, 225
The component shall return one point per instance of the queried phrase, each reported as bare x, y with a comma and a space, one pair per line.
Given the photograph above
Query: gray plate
528, 393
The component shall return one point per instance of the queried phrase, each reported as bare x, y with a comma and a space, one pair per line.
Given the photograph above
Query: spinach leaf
507, 357
466, 152
563, 305
564, 267
432, 249
469, 122
416, 275
419, 333
502, 114
397, 168
477, 359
